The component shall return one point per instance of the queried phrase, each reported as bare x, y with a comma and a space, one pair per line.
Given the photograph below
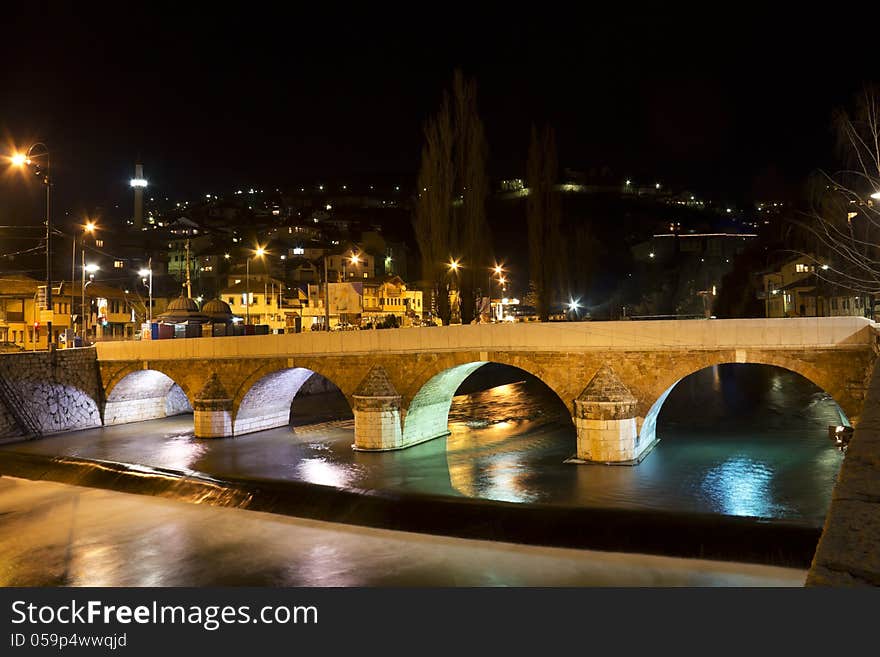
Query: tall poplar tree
450, 218
543, 218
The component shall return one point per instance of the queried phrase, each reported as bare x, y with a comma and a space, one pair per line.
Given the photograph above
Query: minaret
138, 183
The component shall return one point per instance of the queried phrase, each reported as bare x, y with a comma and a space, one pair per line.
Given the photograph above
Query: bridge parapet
792, 333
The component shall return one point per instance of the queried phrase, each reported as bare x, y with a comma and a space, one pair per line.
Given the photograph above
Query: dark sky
213, 101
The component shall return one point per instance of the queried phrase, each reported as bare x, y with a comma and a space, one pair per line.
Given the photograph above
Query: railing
19, 410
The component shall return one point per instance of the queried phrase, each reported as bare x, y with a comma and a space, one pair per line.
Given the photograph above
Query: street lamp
148, 273
91, 268
354, 259
89, 227
454, 266
39, 149
259, 252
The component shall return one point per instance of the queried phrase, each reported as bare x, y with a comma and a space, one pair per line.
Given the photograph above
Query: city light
876, 195
138, 182
19, 159
260, 251
453, 265
144, 272
92, 268
90, 227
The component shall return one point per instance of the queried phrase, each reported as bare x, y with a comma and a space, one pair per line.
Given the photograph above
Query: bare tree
845, 215
543, 215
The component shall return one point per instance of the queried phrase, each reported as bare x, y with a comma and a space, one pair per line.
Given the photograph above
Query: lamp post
88, 228
91, 269
453, 269
326, 296
26, 159
147, 273
260, 251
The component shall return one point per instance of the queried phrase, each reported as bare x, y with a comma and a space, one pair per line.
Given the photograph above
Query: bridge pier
377, 425
607, 424
212, 411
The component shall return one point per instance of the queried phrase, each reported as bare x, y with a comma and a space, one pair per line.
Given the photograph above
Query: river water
740, 440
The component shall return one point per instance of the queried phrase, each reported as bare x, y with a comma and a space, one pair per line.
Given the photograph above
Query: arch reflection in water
496, 433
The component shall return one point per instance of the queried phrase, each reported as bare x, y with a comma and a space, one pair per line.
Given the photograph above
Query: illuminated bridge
613, 376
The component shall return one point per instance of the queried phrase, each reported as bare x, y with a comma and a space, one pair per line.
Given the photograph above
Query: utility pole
188, 283
326, 296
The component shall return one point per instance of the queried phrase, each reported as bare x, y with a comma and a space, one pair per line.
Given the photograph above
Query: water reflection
741, 487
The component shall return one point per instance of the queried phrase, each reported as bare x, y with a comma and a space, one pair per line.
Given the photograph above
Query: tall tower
139, 184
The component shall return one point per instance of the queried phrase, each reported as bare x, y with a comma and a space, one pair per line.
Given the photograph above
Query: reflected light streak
741, 487
324, 473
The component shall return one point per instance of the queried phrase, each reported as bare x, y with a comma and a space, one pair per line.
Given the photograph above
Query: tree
845, 214
450, 217
543, 217
471, 190
433, 205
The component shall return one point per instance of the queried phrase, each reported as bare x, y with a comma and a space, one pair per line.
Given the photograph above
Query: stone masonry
377, 413
61, 390
260, 375
605, 418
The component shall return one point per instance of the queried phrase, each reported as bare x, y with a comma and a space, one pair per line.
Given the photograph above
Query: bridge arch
427, 413
136, 395
648, 429
265, 400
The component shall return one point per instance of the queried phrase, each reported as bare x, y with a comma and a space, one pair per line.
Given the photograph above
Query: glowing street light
259, 253
453, 265
876, 195
147, 273
91, 269
89, 227
27, 159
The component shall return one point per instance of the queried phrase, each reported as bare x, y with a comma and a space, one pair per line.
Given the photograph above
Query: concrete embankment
650, 532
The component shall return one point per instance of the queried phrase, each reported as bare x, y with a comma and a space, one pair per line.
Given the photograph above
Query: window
365, 275
231, 300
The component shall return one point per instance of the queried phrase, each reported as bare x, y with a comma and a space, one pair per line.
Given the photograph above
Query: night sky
212, 102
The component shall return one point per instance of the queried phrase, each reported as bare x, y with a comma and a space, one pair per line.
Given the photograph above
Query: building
391, 296
263, 300
111, 312
796, 289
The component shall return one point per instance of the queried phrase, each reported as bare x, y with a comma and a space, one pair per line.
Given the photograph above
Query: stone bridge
613, 376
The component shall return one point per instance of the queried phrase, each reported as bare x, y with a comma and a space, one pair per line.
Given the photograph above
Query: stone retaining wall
848, 553
61, 390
